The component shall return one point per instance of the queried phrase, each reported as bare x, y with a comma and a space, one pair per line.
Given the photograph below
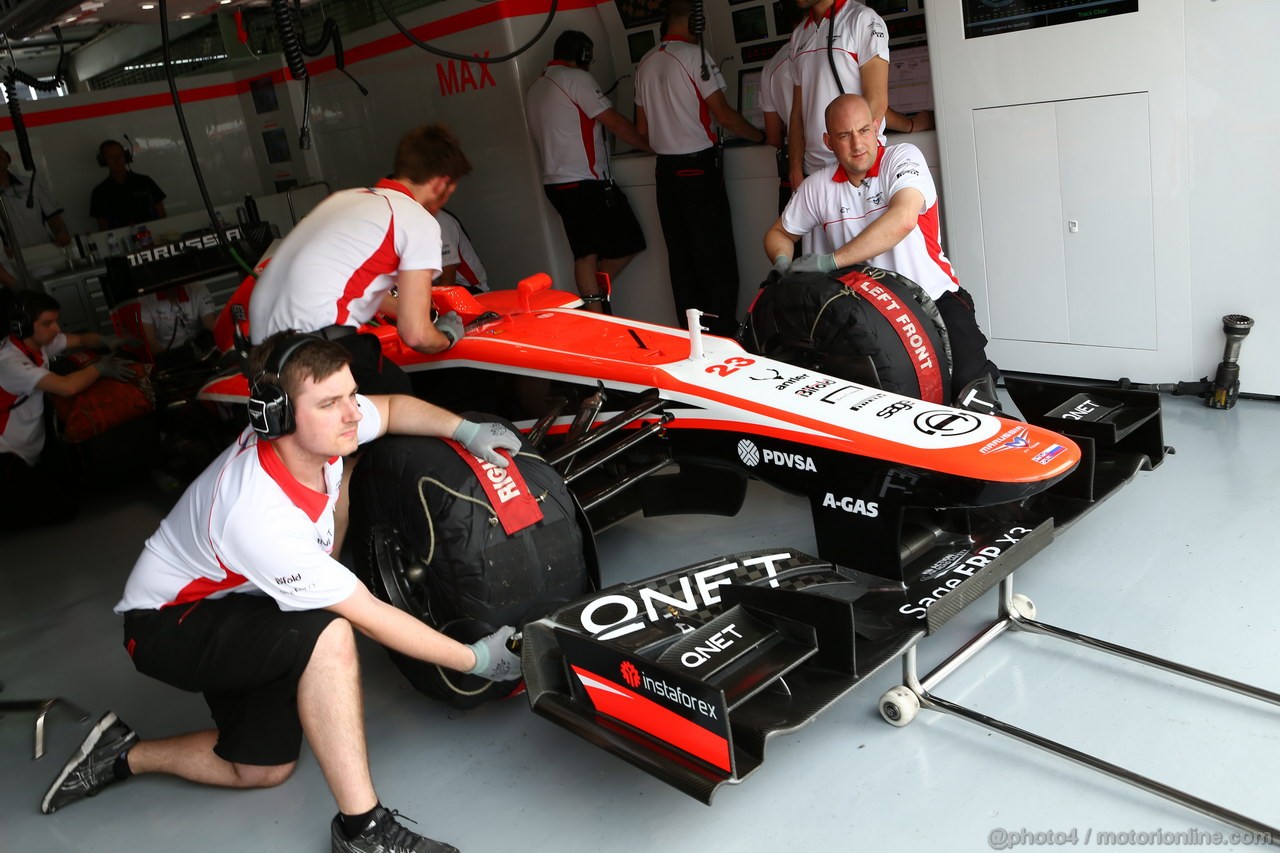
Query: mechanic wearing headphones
459, 261
603, 232
124, 197
34, 485
237, 596
879, 206
347, 258
674, 108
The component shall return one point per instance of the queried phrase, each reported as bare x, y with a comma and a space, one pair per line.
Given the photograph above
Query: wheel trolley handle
896, 705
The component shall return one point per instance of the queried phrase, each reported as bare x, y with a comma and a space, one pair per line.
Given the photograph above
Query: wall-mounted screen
636, 13
992, 17
750, 24
638, 44
277, 145
263, 91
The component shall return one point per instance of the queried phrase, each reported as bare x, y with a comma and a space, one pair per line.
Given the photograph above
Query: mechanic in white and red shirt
459, 262
675, 106
338, 267
568, 115
237, 596
35, 477
879, 206
841, 47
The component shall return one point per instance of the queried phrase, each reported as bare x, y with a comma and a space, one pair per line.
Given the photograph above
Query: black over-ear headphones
270, 409
585, 52
102, 158
574, 46
21, 323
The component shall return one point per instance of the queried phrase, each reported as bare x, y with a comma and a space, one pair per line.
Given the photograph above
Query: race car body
918, 508
866, 459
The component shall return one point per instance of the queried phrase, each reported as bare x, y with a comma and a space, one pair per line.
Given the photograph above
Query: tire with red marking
861, 323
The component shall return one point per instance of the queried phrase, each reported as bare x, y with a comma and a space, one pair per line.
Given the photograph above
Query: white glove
450, 325
495, 661
486, 439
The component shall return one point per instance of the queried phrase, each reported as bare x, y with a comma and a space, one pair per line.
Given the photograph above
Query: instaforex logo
672, 693
630, 674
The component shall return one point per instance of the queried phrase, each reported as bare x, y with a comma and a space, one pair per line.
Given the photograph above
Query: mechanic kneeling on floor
237, 596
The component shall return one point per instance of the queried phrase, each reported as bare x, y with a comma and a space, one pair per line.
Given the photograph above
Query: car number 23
730, 365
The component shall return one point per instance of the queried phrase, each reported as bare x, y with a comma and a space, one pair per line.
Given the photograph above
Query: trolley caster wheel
899, 706
1023, 606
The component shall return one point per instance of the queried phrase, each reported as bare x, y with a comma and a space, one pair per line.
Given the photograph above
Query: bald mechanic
339, 266
237, 596
879, 206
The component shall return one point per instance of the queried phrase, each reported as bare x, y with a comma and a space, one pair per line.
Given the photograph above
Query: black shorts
374, 373
245, 655
597, 219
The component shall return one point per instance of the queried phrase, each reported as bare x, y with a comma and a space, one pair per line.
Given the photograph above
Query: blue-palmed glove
486, 439
450, 325
114, 367
814, 263
494, 659
115, 342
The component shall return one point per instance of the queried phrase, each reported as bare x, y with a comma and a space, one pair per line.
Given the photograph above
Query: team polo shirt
247, 526
456, 248
176, 320
778, 86
21, 403
839, 211
670, 87
341, 259
562, 106
29, 222
860, 36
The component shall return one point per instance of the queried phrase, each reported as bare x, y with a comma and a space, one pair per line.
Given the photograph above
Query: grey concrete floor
1181, 563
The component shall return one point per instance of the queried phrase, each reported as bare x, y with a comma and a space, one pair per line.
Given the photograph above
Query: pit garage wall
1109, 188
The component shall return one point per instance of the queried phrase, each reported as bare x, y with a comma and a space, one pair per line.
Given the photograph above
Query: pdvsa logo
753, 456
630, 674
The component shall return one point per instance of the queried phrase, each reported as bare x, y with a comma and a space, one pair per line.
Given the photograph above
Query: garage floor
1181, 563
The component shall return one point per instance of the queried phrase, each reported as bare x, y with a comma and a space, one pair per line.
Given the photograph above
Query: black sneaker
385, 835
91, 767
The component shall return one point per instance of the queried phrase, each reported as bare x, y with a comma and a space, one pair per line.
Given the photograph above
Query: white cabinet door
1067, 221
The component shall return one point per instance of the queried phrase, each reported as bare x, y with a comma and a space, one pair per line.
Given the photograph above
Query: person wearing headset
366, 251
34, 473
124, 197
237, 596
174, 316
568, 115
675, 106
879, 206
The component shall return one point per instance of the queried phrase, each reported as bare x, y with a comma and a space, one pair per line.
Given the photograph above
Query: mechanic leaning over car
237, 596
36, 483
674, 108
878, 205
361, 251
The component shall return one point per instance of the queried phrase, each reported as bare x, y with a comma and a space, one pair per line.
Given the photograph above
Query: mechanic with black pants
237, 596
878, 205
674, 110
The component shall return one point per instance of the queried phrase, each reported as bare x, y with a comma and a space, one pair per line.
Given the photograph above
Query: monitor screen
750, 24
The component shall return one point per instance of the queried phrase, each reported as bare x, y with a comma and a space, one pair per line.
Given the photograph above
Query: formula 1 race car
918, 509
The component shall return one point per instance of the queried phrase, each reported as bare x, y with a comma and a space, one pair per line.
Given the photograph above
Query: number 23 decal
730, 365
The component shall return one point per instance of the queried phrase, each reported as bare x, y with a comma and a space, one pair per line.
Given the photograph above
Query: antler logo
630, 674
